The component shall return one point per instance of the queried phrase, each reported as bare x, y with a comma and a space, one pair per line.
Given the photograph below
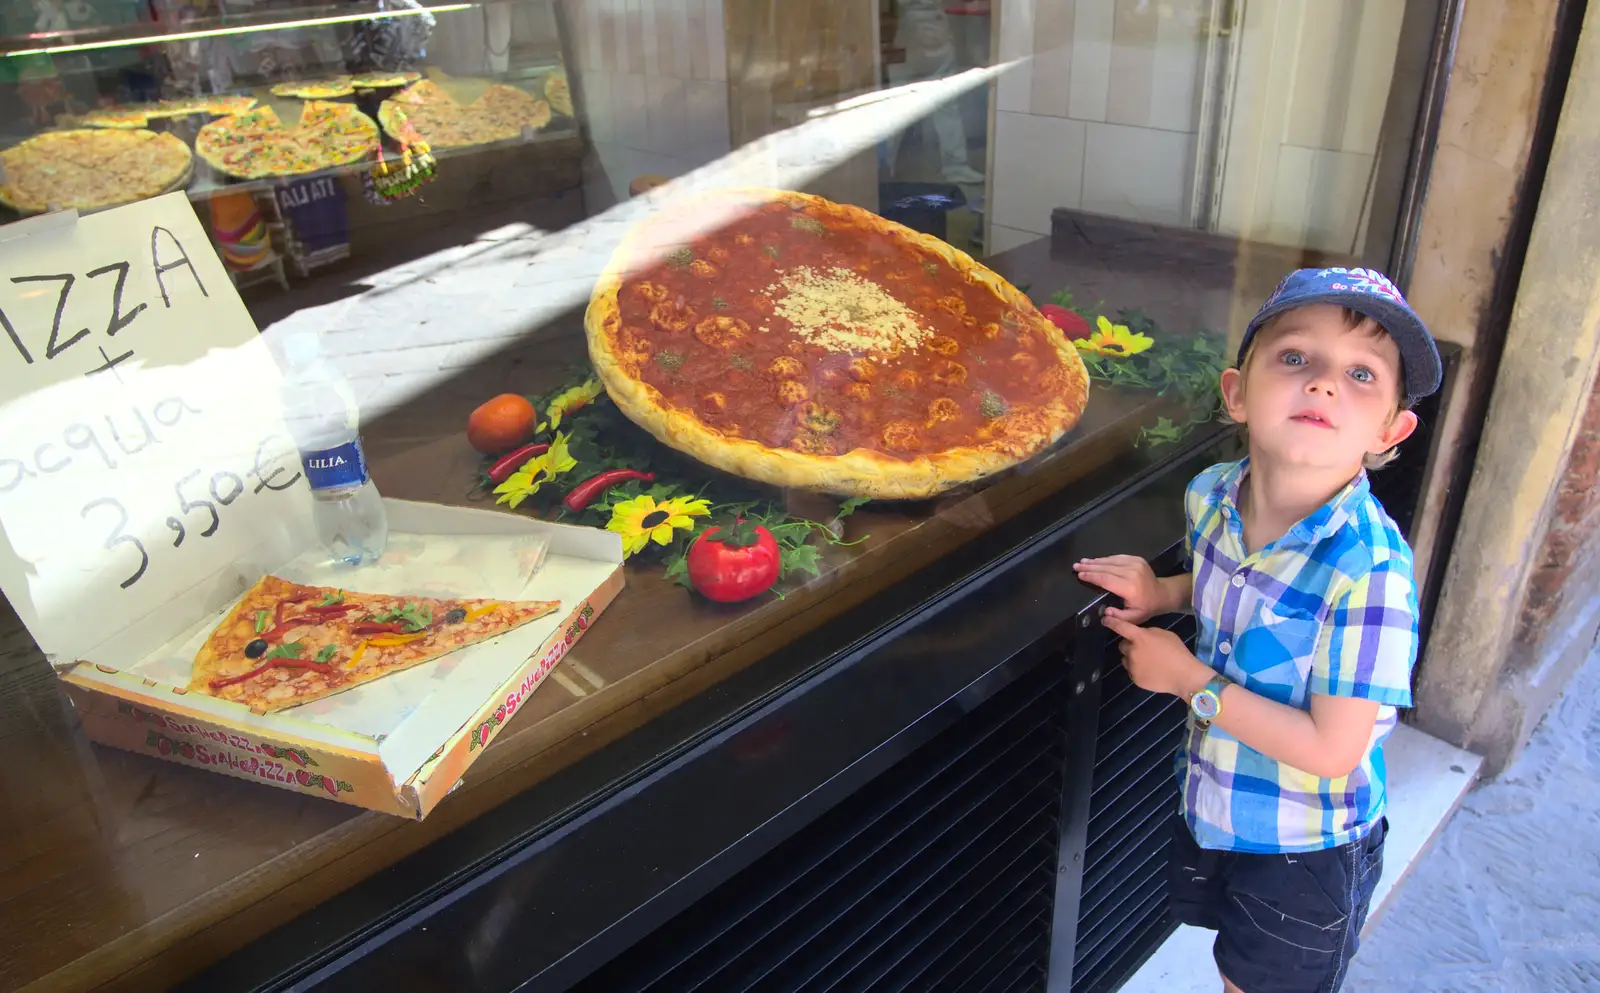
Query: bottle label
336, 468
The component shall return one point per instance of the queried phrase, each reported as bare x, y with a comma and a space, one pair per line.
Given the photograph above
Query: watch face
1205, 705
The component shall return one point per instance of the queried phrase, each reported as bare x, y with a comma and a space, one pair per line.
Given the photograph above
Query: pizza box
147, 480
397, 744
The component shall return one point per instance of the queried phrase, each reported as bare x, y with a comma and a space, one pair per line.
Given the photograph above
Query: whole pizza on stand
499, 114
804, 343
256, 144
90, 168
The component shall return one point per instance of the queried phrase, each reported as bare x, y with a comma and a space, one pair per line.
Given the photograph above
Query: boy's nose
1320, 385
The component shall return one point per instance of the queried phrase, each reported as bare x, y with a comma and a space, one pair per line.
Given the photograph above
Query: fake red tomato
729, 566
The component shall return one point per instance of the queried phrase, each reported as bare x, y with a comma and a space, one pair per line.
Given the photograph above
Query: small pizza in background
89, 168
383, 80
315, 89
799, 342
500, 114
137, 115
256, 144
559, 92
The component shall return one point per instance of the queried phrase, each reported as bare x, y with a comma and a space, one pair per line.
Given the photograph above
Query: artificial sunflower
642, 519
1114, 340
570, 400
535, 472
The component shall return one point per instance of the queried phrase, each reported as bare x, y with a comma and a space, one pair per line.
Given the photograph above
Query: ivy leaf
803, 558
850, 506
678, 571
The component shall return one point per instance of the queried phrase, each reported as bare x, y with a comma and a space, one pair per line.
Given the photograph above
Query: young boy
1307, 613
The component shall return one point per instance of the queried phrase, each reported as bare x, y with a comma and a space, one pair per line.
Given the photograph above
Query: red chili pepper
277, 612
374, 627
331, 609
505, 465
322, 667
585, 492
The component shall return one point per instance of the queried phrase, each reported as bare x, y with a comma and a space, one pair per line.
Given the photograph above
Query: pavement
1507, 900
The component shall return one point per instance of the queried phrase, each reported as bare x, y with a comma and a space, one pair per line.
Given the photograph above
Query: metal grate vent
938, 876
1122, 913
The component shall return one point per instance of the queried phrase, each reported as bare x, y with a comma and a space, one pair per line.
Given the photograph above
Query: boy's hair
1352, 319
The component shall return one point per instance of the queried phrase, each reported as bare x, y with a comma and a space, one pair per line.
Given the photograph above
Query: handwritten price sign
143, 459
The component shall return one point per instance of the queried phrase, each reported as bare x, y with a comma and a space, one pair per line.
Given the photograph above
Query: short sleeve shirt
1330, 608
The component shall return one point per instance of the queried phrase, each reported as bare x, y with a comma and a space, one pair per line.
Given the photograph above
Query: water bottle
321, 413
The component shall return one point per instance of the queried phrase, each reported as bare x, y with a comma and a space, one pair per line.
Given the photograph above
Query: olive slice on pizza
285, 644
806, 343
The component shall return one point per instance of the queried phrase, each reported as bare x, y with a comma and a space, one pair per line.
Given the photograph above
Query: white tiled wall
653, 74
1142, 173
1038, 165
1100, 114
1306, 121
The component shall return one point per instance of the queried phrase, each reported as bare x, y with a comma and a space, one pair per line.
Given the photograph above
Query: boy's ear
1233, 394
1400, 427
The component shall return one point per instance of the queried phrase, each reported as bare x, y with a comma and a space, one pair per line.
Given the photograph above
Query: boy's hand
1158, 660
1130, 578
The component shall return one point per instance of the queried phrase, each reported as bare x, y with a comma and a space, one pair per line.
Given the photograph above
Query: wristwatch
1206, 704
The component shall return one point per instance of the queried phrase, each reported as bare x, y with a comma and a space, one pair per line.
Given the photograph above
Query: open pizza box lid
147, 480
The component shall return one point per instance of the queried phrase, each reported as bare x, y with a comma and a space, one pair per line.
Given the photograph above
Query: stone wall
1565, 569
1515, 616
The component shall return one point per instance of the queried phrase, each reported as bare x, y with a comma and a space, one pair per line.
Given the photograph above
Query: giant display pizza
804, 343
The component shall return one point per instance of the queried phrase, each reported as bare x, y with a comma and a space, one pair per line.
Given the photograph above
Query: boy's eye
1292, 357
1362, 375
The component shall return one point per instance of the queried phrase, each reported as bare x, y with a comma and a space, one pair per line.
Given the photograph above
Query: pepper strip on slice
391, 640
287, 663
277, 612
379, 627
477, 612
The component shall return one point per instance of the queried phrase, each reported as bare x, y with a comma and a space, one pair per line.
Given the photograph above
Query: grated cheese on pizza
838, 310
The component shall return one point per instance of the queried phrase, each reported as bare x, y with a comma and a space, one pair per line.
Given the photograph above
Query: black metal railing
936, 876
1122, 911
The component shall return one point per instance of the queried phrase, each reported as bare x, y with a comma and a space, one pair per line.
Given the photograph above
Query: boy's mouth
1312, 418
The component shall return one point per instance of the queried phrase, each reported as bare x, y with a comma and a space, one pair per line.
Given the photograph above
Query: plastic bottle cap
302, 348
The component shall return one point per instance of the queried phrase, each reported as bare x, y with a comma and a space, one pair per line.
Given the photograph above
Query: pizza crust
859, 472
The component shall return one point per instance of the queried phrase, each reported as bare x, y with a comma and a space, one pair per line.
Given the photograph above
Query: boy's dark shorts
1284, 923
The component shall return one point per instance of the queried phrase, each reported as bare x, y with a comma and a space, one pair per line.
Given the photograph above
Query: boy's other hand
1157, 660
1132, 579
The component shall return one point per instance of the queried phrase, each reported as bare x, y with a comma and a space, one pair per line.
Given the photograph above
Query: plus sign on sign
144, 464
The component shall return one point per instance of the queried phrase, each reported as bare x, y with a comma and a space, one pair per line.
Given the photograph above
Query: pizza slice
381, 80
559, 92
285, 644
315, 89
115, 117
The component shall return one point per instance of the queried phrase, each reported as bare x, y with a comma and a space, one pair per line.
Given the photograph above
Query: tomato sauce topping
814, 329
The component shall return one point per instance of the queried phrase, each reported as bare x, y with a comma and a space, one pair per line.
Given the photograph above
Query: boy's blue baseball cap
1368, 292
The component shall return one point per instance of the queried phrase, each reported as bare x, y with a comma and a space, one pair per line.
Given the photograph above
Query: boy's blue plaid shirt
1329, 608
